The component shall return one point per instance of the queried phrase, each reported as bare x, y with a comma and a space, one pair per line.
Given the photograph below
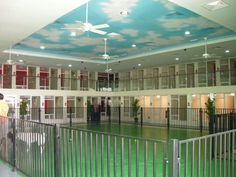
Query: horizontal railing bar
113, 134
207, 136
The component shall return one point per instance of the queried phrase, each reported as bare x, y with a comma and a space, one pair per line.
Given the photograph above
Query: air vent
215, 5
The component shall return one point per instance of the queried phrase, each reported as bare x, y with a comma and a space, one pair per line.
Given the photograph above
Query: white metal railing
211, 155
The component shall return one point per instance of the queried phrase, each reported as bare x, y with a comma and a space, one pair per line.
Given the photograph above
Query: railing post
141, 116
39, 118
168, 117
14, 144
57, 151
173, 158
70, 117
119, 114
201, 121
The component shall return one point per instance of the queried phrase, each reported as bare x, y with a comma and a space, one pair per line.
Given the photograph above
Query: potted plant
23, 108
135, 107
210, 111
210, 107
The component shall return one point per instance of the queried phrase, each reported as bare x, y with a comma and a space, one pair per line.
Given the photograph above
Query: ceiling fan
206, 55
86, 26
105, 55
10, 61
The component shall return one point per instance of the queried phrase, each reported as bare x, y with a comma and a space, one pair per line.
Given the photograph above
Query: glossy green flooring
81, 160
150, 132
94, 154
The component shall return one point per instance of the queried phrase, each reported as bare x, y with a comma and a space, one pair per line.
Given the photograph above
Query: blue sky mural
152, 25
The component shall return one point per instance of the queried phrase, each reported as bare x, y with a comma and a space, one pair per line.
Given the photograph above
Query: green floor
152, 132
74, 154
94, 154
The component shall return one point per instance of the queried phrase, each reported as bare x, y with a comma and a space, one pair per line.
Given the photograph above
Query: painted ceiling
152, 25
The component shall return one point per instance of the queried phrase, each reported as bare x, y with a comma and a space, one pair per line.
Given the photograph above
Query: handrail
206, 136
114, 134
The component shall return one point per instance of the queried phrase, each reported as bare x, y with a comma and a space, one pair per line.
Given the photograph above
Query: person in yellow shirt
3, 126
4, 108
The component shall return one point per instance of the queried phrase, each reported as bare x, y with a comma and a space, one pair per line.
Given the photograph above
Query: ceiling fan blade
98, 31
10, 62
101, 26
206, 55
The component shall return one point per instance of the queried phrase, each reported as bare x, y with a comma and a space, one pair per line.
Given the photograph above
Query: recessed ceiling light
227, 51
139, 64
187, 33
124, 12
133, 45
69, 65
42, 47
20, 61
232, 94
73, 34
177, 59
193, 95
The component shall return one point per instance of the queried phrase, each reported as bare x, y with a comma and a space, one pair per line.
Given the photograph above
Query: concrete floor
6, 171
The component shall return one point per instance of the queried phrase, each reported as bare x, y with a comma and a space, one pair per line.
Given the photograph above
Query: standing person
3, 126
109, 109
4, 108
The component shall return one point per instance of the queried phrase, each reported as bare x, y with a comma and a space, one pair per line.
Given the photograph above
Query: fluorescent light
177, 59
20, 61
193, 95
227, 51
232, 94
69, 65
133, 45
139, 64
42, 47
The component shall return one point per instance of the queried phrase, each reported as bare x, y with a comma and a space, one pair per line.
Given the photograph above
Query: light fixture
42, 47
227, 51
139, 64
158, 96
73, 34
232, 94
193, 95
112, 34
20, 61
215, 5
70, 65
177, 59
124, 12
187, 33
133, 45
